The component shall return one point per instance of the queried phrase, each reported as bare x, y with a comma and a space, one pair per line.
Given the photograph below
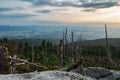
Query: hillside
96, 42
100, 42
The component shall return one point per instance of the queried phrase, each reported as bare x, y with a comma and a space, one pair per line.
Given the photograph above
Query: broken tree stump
5, 63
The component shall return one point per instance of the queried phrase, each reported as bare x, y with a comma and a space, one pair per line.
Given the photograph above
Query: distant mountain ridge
96, 42
101, 42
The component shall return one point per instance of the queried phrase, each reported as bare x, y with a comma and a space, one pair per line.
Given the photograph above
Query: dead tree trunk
32, 53
38, 56
66, 41
63, 35
107, 47
21, 60
78, 49
66, 45
5, 63
61, 52
73, 55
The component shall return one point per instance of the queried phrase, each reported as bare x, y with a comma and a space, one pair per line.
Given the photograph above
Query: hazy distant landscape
56, 32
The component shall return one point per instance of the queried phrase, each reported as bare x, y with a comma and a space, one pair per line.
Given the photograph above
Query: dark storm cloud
51, 3
75, 3
99, 5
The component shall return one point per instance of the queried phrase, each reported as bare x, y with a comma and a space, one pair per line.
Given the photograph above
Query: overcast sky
54, 12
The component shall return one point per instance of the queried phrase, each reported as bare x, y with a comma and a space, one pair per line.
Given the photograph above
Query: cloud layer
76, 3
44, 11
64, 11
12, 16
3, 9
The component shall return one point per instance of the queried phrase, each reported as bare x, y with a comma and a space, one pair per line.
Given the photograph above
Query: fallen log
18, 64
27, 62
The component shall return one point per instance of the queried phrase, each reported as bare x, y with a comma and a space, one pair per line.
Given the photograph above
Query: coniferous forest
58, 55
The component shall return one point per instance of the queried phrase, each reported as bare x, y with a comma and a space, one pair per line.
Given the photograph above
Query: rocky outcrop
47, 75
99, 73
92, 73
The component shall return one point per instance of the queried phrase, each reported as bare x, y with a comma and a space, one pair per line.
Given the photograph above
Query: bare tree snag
32, 53
61, 52
5, 63
107, 47
79, 51
66, 41
63, 35
73, 55
63, 44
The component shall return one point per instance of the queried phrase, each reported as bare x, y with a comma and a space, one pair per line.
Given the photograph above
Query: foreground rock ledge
47, 75
97, 73
92, 73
